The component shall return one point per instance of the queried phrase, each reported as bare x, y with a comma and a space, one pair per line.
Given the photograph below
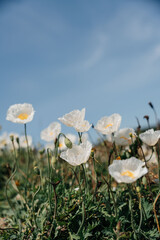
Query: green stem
57, 144
141, 215
80, 137
34, 216
77, 179
114, 202
28, 155
83, 218
49, 185
83, 205
28, 161
158, 156
85, 179
94, 165
55, 202
131, 210
7, 183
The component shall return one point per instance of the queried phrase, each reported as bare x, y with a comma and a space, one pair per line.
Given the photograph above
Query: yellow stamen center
60, 145
3, 142
51, 133
109, 125
23, 116
118, 158
125, 138
128, 174
131, 135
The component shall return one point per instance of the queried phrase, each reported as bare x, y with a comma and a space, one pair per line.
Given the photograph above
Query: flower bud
144, 180
12, 138
146, 117
67, 142
151, 105
17, 140
138, 189
118, 227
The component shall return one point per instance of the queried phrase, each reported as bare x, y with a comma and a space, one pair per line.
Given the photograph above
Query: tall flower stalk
9, 180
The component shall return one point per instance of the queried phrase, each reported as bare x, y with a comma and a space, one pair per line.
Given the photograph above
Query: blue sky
64, 55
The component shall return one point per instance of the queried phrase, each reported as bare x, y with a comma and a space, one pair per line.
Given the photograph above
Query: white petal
15, 111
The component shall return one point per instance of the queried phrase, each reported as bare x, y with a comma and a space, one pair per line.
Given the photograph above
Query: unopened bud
12, 138
146, 117
68, 142
138, 189
118, 227
17, 140
151, 105
144, 180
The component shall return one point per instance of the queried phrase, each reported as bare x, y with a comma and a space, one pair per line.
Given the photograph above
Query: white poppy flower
71, 137
23, 142
4, 140
127, 171
150, 137
108, 125
20, 113
76, 119
125, 136
78, 154
51, 132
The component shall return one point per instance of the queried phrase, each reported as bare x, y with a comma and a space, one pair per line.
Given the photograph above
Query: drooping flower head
76, 119
20, 113
108, 125
150, 137
78, 154
127, 171
125, 136
62, 146
51, 132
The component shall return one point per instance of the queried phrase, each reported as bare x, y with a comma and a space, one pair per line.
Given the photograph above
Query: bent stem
57, 144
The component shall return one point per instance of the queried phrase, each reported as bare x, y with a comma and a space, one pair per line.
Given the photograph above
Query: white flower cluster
127, 171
